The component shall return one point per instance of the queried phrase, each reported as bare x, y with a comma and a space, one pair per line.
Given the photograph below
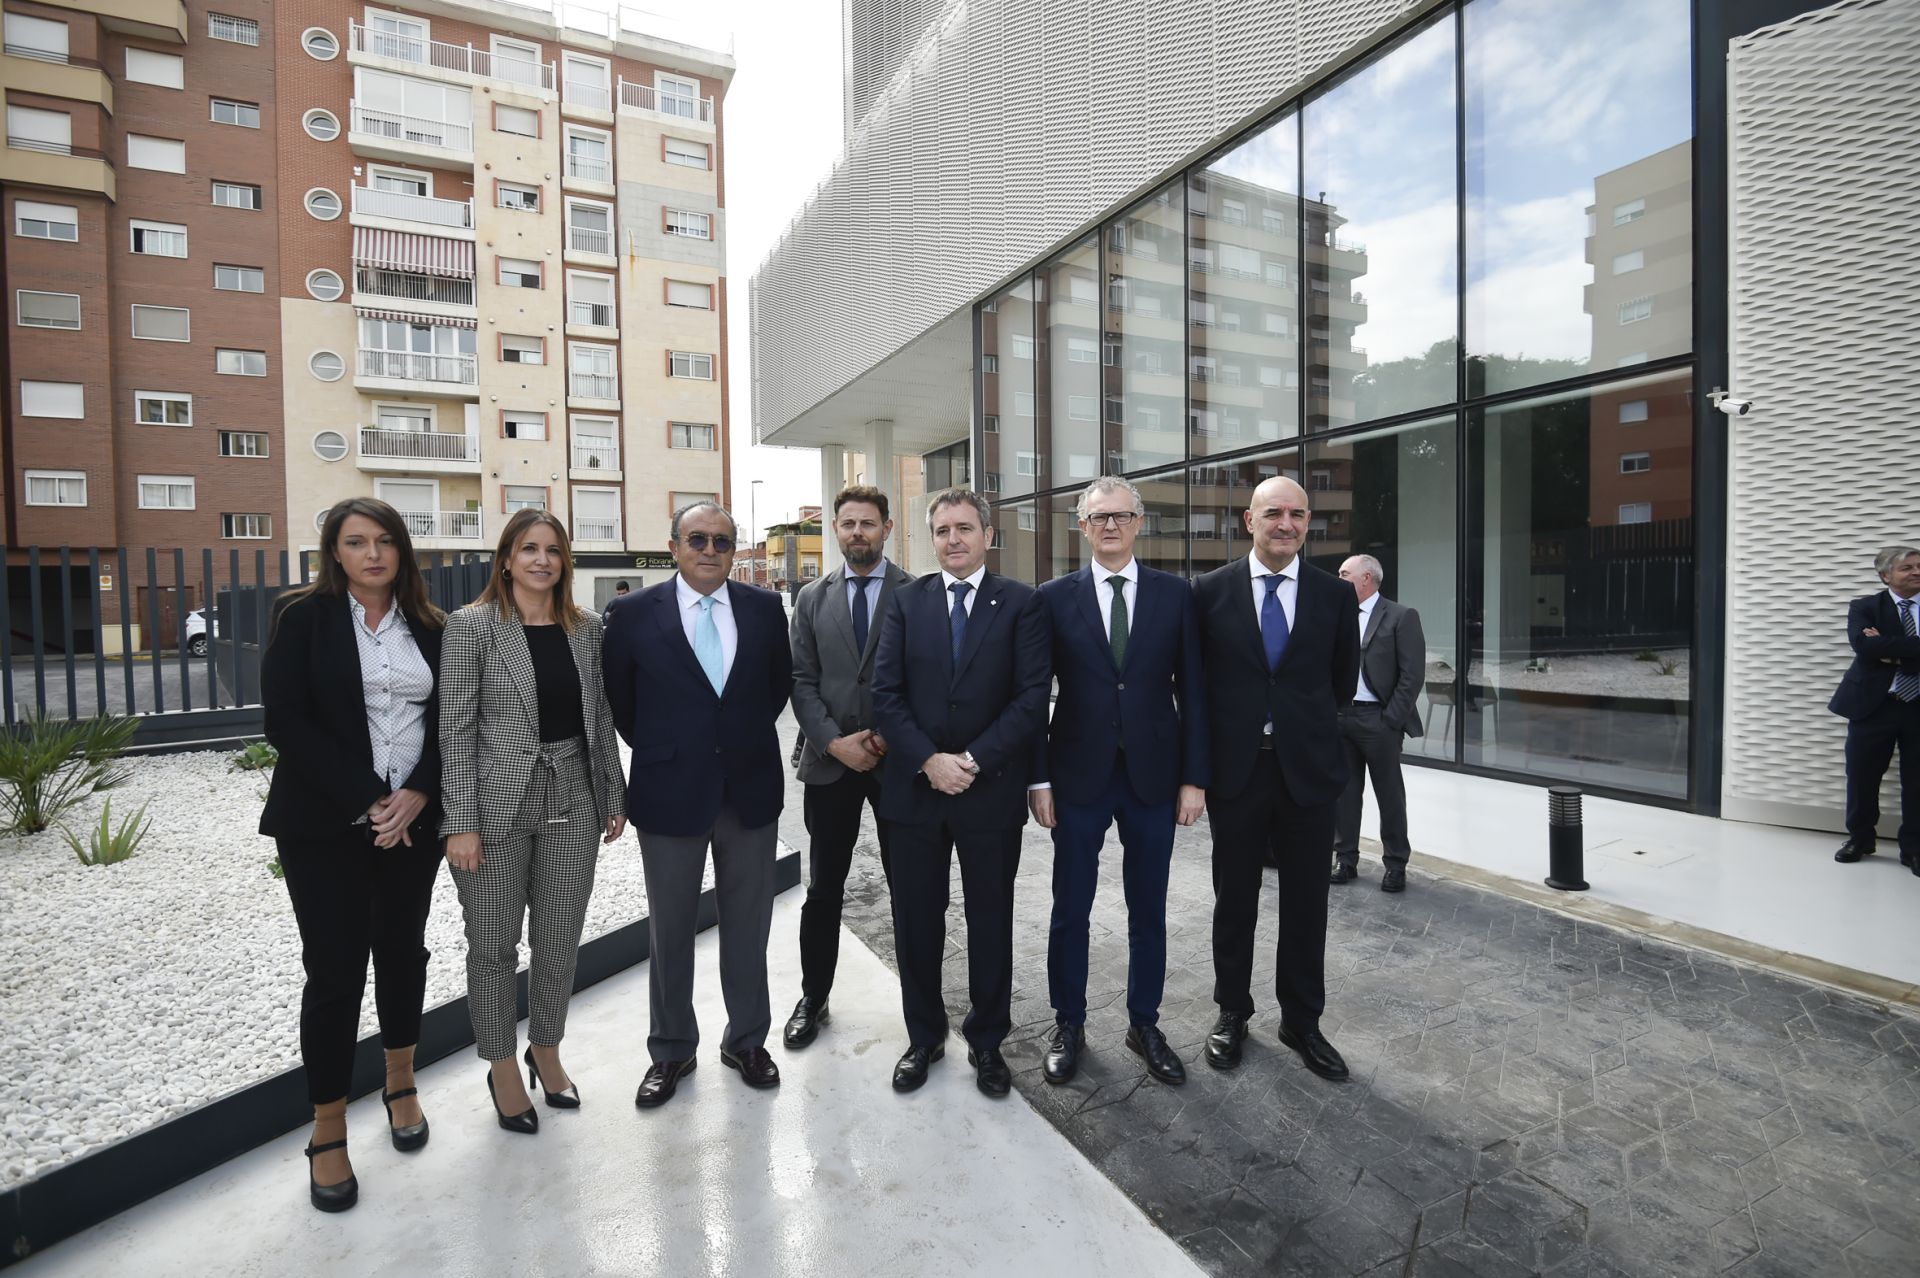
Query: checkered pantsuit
541, 869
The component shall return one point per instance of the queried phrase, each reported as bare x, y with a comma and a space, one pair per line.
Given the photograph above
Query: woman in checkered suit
531, 787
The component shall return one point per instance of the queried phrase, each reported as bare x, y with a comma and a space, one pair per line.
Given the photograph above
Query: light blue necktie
706, 646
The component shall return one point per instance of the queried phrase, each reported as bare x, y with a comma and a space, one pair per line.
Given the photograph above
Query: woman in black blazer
348, 681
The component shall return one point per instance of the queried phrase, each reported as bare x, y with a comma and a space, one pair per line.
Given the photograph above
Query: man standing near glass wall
1393, 664
1129, 746
1879, 697
1282, 646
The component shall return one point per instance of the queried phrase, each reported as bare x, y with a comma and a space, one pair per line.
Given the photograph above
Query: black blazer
1315, 678
316, 718
992, 701
1155, 707
694, 750
1876, 659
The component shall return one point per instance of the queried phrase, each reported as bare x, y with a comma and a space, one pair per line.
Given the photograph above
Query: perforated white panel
1825, 186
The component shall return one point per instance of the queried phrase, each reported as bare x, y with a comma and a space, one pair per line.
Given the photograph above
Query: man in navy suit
697, 671
1128, 745
1282, 642
1880, 699
959, 694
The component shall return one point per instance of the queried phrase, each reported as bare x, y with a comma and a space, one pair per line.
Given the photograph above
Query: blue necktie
958, 618
1906, 686
706, 646
1273, 622
860, 585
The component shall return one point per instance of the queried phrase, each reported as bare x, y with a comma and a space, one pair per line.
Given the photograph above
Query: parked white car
196, 632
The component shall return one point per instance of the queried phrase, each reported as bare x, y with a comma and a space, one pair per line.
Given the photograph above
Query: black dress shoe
991, 1074
526, 1124
912, 1068
1393, 880
331, 1197
567, 1097
808, 1016
1063, 1053
1315, 1051
1852, 850
405, 1139
1150, 1045
657, 1087
1223, 1043
1343, 873
755, 1066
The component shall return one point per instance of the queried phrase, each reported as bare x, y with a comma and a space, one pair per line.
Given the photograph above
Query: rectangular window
516, 60
678, 94
236, 195
162, 323
690, 155
1026, 464
52, 399
224, 26
240, 363
246, 527
41, 39
516, 273
524, 198
698, 297
1631, 211
1083, 350
243, 443
1633, 410
1636, 512
692, 225
690, 435
523, 497
586, 82
1635, 463
589, 154
589, 227
990, 424
47, 310
38, 221
1083, 408
523, 350
687, 364
1625, 262
590, 300
158, 239
163, 155
166, 492
162, 408
145, 66
520, 121
591, 372
519, 425
1636, 309
31, 129
240, 279
56, 488
244, 114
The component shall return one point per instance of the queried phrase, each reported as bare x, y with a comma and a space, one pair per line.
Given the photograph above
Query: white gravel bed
1615, 674
137, 991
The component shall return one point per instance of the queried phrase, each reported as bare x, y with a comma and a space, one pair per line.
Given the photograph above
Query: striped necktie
1907, 686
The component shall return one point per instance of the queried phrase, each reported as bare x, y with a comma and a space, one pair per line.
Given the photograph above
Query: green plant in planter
47, 765
109, 845
256, 757
102, 743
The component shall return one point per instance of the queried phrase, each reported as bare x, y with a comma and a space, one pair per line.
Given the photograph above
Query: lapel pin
993, 603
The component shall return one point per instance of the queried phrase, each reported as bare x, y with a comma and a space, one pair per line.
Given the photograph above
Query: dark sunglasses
699, 541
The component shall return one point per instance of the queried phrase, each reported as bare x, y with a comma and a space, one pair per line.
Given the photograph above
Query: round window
331, 445
321, 126
320, 519
323, 204
320, 43
326, 365
325, 285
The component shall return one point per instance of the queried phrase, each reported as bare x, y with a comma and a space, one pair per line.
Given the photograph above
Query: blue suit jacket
993, 701
695, 750
1876, 659
1155, 706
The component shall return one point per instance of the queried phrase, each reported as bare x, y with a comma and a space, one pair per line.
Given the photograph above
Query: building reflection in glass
1145, 343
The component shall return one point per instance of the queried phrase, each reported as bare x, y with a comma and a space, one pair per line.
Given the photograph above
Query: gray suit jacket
490, 721
1393, 661
833, 681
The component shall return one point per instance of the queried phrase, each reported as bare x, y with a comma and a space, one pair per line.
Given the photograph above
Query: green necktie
1117, 621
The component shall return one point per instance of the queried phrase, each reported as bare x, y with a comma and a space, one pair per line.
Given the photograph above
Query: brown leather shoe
661, 1080
755, 1065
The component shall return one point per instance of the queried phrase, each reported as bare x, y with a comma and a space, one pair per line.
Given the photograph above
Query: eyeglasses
1120, 519
699, 541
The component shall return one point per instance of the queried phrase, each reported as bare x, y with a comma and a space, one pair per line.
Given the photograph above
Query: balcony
596, 386
403, 207
408, 139
596, 530
596, 458
424, 452
644, 97
590, 314
433, 290
590, 168
443, 529
461, 60
587, 239
60, 165
584, 95
418, 372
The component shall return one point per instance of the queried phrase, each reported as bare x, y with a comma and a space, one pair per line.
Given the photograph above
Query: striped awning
402, 251
414, 317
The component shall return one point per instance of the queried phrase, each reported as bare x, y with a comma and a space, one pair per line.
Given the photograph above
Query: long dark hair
409, 587
499, 591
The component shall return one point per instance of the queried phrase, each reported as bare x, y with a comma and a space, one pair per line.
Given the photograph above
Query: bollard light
1566, 838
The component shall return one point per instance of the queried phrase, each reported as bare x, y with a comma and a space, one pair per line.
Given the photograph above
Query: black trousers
922, 869
1244, 825
832, 812
1372, 748
352, 901
1870, 745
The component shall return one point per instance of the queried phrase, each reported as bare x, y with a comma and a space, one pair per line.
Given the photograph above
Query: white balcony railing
644, 97
418, 366
413, 208
37, 144
412, 129
452, 525
590, 168
36, 53
418, 445
375, 282
439, 54
595, 314
585, 239
597, 97
594, 386
596, 454
596, 529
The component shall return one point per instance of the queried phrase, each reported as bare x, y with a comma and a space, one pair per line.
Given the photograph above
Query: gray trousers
1371, 748
743, 894
540, 871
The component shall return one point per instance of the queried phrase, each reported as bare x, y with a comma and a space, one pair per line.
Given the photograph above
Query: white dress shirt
879, 578
395, 681
1103, 593
949, 581
1363, 692
722, 620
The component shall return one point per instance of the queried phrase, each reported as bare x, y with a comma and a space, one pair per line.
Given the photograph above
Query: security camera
1728, 404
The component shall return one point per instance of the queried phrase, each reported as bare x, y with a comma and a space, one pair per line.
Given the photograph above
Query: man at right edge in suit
1282, 645
1393, 664
1880, 699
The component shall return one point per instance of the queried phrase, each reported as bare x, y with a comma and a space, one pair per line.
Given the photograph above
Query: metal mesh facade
878, 37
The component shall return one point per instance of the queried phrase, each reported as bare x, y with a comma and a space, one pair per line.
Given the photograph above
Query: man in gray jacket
1393, 664
836, 630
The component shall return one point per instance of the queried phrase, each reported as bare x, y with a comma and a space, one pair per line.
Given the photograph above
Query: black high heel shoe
566, 1098
331, 1197
528, 1122
405, 1139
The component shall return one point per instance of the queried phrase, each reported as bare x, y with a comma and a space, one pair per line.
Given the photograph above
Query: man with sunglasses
697, 672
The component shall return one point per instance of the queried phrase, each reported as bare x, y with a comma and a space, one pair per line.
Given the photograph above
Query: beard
861, 556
